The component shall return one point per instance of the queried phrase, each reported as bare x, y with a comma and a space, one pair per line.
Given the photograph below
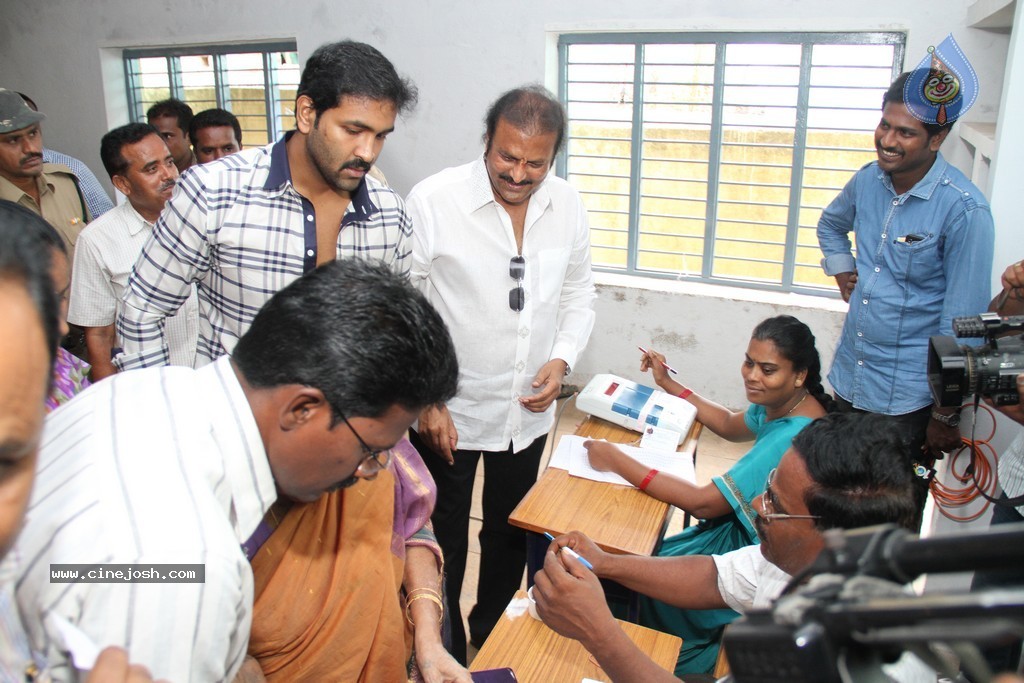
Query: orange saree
328, 603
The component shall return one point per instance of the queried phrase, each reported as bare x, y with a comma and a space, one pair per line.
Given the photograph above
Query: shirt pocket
551, 267
914, 257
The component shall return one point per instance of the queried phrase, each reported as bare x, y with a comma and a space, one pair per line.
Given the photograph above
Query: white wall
1008, 167
702, 330
461, 54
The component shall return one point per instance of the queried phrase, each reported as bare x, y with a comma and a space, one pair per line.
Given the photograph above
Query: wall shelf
981, 136
992, 14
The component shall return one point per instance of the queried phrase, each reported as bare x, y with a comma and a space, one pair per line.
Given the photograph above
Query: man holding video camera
1010, 506
925, 239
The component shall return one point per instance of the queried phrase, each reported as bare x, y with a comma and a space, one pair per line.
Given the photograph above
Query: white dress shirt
747, 580
462, 244
164, 465
106, 252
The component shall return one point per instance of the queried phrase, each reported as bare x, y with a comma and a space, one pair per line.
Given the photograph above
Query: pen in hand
663, 363
572, 553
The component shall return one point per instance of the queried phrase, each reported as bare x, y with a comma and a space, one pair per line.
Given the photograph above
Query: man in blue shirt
925, 239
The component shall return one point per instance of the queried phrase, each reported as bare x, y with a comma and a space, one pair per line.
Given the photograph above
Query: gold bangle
428, 595
423, 589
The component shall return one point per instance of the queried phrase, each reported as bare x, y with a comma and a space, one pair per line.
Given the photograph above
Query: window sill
703, 289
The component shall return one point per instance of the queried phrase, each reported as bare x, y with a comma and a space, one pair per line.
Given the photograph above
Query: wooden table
620, 519
539, 655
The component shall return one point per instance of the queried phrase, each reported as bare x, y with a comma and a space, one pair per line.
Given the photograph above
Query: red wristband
684, 393
647, 480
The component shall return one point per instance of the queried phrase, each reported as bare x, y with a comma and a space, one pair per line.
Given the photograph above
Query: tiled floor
714, 456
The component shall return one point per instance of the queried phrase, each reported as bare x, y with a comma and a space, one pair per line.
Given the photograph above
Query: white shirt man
178, 466
142, 168
502, 250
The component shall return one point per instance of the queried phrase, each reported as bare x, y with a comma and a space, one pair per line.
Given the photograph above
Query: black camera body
852, 617
956, 372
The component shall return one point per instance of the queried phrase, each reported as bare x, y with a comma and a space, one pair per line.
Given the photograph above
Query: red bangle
684, 393
647, 480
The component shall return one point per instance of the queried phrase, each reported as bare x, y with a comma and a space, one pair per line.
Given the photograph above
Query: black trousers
914, 427
507, 478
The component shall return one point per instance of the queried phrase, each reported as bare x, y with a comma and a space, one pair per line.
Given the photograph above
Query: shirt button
309, 218
524, 332
864, 301
860, 334
860, 362
310, 252
877, 269
515, 432
895, 202
520, 365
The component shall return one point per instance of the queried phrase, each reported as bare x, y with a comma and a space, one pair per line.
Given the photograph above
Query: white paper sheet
571, 452
83, 650
660, 438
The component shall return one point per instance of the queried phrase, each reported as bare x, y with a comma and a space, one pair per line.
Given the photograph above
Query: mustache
29, 157
168, 184
508, 179
357, 164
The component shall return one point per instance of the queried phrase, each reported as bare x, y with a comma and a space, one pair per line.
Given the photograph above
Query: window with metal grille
709, 156
255, 82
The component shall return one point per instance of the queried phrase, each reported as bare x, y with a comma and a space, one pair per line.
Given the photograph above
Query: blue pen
572, 553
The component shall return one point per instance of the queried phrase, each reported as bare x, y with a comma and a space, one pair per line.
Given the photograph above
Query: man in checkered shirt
247, 225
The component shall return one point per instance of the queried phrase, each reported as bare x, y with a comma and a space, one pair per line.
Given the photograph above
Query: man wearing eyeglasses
501, 247
175, 465
842, 472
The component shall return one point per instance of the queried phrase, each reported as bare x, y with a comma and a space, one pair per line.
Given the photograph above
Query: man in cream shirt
142, 168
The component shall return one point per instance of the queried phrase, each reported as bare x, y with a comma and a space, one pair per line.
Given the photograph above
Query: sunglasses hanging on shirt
517, 295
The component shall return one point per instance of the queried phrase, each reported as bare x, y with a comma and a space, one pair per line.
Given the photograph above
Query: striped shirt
238, 228
106, 251
1011, 470
158, 466
96, 198
16, 660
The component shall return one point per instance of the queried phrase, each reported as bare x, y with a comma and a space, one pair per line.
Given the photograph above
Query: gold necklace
795, 406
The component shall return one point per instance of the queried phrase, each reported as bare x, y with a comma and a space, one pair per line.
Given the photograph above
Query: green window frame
254, 81
709, 156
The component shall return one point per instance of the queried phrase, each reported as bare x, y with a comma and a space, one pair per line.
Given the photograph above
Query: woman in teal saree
782, 377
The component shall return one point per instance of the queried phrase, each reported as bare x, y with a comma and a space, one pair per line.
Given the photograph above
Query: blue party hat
943, 86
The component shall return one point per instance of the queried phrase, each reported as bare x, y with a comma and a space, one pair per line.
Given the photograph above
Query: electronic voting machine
633, 405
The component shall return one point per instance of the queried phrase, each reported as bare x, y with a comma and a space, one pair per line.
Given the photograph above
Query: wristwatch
948, 420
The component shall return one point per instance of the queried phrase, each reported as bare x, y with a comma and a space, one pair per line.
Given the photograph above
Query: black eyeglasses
768, 513
516, 295
372, 455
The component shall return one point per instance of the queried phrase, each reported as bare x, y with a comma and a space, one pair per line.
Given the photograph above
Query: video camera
853, 616
956, 372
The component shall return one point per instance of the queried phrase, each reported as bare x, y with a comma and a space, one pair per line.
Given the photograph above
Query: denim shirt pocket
915, 260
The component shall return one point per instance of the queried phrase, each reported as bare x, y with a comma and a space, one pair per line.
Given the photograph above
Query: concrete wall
702, 330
